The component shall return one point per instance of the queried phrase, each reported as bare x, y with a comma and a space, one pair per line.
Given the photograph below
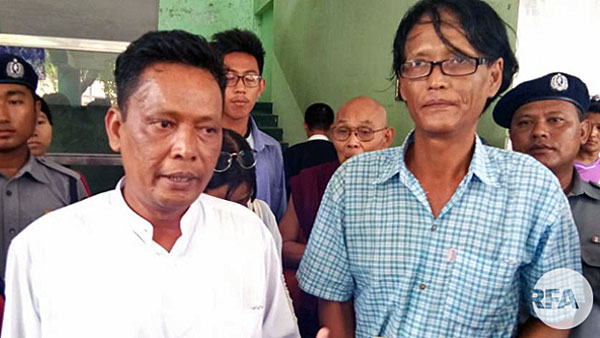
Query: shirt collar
581, 187
259, 140
144, 229
318, 137
480, 165
35, 169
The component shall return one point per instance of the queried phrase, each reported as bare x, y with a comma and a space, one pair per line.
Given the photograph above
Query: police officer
545, 120
29, 186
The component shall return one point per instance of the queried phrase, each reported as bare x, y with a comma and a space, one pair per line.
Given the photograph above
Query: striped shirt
463, 274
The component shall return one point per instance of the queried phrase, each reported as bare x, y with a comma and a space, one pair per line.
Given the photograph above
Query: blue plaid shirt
463, 274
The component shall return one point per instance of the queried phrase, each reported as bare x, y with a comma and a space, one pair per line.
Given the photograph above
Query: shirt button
8, 193
12, 231
434, 227
422, 286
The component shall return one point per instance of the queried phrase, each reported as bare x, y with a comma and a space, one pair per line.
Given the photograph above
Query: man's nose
540, 129
185, 144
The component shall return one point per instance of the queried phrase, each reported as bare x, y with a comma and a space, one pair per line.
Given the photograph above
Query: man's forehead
13, 88
240, 62
546, 107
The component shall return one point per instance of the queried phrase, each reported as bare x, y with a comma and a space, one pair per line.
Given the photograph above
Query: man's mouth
539, 149
180, 177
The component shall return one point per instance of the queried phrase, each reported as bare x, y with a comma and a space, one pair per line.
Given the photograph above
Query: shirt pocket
483, 294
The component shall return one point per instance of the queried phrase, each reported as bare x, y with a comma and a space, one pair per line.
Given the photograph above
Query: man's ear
398, 94
113, 122
585, 130
497, 69
262, 86
389, 135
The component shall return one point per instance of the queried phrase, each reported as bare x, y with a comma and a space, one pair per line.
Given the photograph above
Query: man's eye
15, 102
164, 124
555, 119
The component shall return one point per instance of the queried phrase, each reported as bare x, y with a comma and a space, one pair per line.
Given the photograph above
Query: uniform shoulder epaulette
57, 167
595, 185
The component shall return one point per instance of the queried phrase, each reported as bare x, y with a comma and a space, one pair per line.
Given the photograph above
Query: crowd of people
215, 232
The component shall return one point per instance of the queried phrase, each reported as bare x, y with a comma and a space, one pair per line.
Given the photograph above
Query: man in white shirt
151, 258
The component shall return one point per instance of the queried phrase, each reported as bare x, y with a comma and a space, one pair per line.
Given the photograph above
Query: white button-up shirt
93, 270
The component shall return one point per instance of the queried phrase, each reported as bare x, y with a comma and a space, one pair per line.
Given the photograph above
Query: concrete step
266, 120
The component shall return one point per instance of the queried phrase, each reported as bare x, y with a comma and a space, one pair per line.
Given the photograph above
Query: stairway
267, 121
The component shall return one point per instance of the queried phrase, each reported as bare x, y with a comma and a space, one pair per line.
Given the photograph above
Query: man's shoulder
227, 209
518, 166
233, 218
374, 162
61, 223
56, 168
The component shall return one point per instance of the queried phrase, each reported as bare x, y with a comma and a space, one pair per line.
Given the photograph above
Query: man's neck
166, 222
444, 158
240, 126
565, 177
587, 157
12, 161
311, 133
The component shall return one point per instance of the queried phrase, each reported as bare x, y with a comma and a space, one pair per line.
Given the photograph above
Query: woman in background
234, 180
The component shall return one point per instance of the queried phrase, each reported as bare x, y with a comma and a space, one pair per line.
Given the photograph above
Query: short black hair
243, 41
483, 28
176, 46
318, 116
594, 105
235, 176
45, 108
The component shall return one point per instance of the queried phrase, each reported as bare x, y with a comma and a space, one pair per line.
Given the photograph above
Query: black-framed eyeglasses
364, 134
245, 158
458, 66
249, 80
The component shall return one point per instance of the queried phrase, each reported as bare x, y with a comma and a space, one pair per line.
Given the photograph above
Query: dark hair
483, 28
318, 116
174, 46
243, 41
45, 108
594, 105
235, 176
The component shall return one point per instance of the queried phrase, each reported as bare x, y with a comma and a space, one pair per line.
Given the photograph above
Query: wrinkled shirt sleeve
557, 244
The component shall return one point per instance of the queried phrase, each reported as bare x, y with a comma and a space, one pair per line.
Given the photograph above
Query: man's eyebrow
15, 92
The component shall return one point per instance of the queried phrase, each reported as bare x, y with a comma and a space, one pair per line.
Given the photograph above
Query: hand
323, 333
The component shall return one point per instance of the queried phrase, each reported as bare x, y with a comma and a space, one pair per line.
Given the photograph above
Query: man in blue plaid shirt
443, 236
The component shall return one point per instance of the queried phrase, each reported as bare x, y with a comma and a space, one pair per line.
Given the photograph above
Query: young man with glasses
442, 237
244, 60
360, 126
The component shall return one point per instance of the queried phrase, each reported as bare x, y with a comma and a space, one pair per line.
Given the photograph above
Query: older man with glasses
443, 236
360, 126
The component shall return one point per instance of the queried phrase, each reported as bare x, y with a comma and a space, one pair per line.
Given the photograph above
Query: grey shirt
38, 188
584, 199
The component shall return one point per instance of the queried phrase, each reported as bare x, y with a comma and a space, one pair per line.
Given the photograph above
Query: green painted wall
206, 17
334, 50
319, 50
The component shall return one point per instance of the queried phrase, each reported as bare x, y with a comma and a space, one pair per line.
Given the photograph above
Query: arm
337, 317
279, 320
556, 246
279, 191
534, 328
290, 232
21, 316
